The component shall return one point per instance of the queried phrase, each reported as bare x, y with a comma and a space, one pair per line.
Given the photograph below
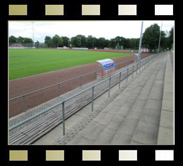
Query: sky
106, 29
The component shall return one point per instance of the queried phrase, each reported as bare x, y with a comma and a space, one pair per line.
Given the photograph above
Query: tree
48, 41
57, 41
170, 39
65, 41
79, 41
133, 43
137, 42
101, 42
163, 42
27, 40
112, 43
151, 37
12, 39
76, 41
20, 39
90, 41
83, 41
117, 46
37, 44
106, 43
127, 43
121, 40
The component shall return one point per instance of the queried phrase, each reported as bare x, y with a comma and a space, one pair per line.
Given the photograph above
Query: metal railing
95, 91
50, 86
26, 101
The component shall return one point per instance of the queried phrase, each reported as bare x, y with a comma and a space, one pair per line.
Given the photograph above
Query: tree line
23, 40
150, 40
90, 42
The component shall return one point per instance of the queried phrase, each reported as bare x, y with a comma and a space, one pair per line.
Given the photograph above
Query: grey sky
107, 29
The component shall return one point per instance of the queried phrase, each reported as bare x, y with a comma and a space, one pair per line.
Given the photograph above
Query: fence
24, 102
27, 45
77, 101
32, 99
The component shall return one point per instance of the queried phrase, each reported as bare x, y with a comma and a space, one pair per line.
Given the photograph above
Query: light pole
140, 42
160, 36
33, 32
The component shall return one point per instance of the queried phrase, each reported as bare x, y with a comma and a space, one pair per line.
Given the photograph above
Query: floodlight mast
140, 42
160, 36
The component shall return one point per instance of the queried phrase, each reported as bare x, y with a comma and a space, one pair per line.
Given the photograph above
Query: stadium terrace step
166, 129
132, 117
39, 127
36, 128
148, 126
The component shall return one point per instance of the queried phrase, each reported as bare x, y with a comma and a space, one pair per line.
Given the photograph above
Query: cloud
107, 29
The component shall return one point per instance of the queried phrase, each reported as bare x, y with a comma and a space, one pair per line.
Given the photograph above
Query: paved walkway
141, 112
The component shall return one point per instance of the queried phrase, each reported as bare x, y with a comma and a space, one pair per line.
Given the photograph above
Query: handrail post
92, 98
133, 71
24, 104
119, 79
109, 87
58, 89
142, 64
126, 75
80, 81
63, 118
137, 68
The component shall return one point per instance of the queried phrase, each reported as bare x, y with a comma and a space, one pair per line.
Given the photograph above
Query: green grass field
27, 62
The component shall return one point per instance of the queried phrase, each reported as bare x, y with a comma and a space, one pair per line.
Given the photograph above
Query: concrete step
108, 115
148, 126
134, 108
121, 125
117, 123
166, 129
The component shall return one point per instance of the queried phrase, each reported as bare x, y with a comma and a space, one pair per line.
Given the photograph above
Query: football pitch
28, 62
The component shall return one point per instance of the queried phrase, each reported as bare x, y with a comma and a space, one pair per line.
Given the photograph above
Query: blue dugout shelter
108, 67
